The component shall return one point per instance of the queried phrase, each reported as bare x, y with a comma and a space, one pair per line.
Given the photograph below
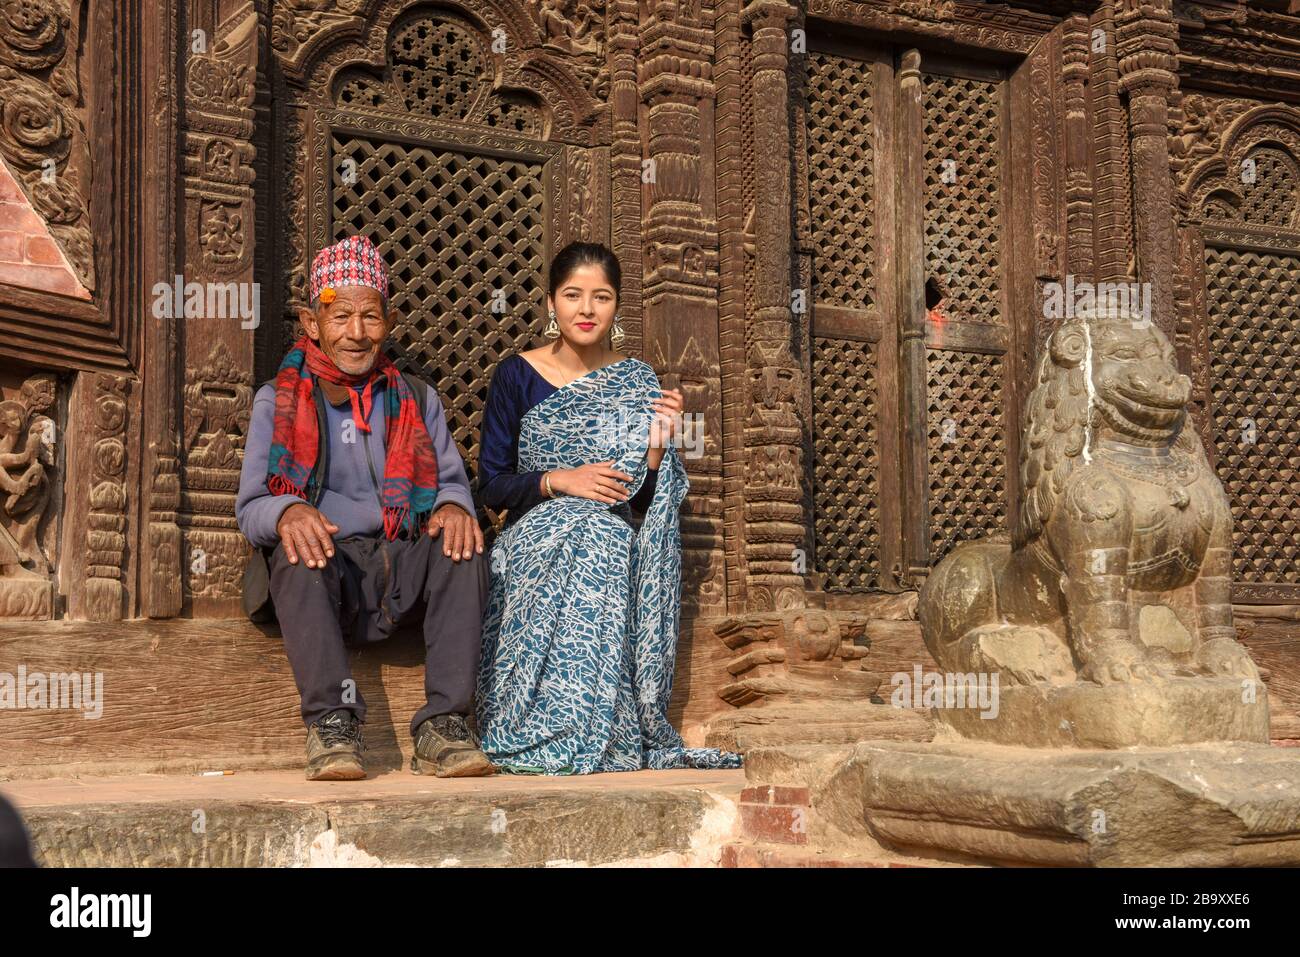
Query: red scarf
411, 466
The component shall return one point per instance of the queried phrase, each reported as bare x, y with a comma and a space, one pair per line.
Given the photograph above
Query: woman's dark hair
575, 255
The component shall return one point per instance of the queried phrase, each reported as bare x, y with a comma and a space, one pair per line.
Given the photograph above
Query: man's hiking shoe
334, 748
445, 747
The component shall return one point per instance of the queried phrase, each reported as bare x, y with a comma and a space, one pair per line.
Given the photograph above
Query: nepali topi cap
350, 262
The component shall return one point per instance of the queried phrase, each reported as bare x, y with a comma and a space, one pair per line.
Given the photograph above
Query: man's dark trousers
365, 591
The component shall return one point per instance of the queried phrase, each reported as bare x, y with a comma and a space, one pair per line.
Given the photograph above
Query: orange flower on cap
328, 295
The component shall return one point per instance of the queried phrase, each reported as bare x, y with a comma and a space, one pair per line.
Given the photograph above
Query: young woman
580, 633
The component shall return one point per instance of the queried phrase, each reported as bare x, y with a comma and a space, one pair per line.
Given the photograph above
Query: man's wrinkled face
351, 329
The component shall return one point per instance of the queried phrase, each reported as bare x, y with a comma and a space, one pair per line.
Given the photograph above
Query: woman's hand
598, 481
668, 412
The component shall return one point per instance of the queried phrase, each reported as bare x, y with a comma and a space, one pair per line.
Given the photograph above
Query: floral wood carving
41, 135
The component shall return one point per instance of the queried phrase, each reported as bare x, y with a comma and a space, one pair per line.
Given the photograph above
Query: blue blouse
515, 388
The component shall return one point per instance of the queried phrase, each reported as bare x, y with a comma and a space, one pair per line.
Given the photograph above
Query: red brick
17, 216
776, 824
11, 246
41, 251
774, 794
10, 191
45, 278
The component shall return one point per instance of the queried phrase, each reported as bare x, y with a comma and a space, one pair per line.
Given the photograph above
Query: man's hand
304, 531
461, 528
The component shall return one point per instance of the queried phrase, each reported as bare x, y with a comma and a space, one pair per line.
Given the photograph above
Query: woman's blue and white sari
580, 634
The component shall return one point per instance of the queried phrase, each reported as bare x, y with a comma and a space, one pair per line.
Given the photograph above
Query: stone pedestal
1209, 806
1135, 714
973, 803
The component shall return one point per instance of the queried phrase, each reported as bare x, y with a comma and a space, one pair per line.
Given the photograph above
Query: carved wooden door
909, 326
451, 173
1244, 194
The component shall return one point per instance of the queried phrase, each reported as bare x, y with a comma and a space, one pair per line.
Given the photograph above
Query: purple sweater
350, 498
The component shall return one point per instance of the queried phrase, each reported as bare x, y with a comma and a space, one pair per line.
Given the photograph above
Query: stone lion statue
1120, 562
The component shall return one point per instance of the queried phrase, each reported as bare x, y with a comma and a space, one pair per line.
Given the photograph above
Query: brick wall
29, 257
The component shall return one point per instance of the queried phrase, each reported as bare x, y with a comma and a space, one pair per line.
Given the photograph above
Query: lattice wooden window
966, 447
841, 174
846, 348
461, 233
1271, 191
438, 68
451, 177
846, 490
963, 202
880, 505
1253, 301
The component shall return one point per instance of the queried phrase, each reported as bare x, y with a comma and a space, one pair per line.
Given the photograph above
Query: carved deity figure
568, 26
1119, 568
25, 458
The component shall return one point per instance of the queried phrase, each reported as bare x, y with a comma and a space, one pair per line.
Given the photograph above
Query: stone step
751, 855
278, 819
193, 695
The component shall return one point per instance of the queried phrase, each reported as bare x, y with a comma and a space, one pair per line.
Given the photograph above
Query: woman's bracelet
546, 480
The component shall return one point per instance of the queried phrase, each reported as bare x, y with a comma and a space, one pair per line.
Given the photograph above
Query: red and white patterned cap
350, 262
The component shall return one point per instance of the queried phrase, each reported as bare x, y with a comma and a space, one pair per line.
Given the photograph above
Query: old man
356, 495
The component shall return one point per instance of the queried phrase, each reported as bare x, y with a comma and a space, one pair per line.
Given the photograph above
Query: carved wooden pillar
681, 274
160, 585
1147, 49
625, 156
217, 219
98, 413
913, 411
731, 156
1033, 89
1078, 182
774, 519
1113, 216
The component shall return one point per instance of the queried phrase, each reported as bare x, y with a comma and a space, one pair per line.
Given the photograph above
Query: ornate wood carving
42, 138
679, 287
70, 106
1146, 39
1239, 179
1239, 49
626, 169
218, 399
1113, 245
977, 25
415, 124
106, 522
1075, 41
733, 157
774, 519
218, 217
799, 655
27, 479
160, 586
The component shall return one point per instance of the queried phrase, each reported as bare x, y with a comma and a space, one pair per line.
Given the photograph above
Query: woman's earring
616, 334
552, 330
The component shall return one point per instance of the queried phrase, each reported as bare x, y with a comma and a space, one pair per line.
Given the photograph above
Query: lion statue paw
1226, 656
1117, 660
